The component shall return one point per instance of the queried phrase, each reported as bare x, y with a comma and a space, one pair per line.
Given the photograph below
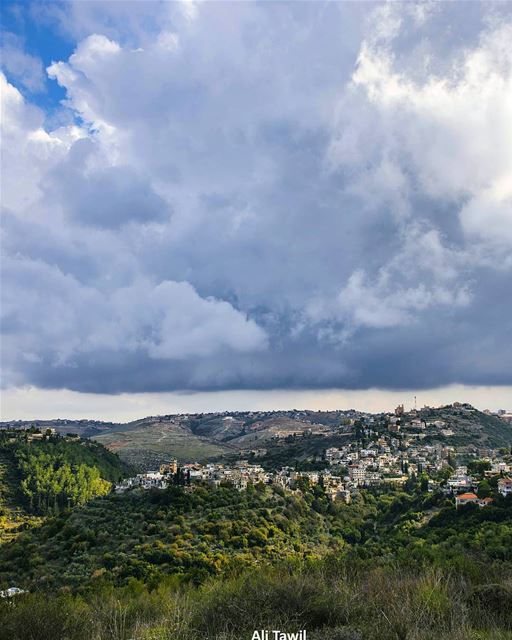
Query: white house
505, 486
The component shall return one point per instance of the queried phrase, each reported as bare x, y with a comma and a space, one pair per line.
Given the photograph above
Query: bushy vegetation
154, 534
191, 536
332, 599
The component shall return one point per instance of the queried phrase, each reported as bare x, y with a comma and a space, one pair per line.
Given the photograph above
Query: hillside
83, 428
218, 563
213, 531
149, 441
14, 516
212, 558
470, 426
42, 475
148, 536
198, 437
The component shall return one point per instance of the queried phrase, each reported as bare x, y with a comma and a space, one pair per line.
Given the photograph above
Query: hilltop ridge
148, 441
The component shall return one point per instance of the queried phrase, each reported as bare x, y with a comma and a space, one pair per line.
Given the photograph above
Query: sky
212, 206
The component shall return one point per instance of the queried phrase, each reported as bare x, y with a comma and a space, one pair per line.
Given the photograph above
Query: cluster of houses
387, 449
471, 498
151, 479
239, 476
504, 488
386, 460
363, 468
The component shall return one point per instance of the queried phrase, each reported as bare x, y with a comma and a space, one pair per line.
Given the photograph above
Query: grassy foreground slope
332, 600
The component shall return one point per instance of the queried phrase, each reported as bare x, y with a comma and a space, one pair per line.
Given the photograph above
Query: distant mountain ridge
84, 428
148, 441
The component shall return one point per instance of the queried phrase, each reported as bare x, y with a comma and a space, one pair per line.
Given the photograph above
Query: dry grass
375, 604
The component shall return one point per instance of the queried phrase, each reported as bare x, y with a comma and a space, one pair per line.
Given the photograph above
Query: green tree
484, 489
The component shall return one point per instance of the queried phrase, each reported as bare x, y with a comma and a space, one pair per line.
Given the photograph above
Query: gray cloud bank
272, 195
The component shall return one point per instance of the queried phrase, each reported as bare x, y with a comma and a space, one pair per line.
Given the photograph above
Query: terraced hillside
198, 437
149, 442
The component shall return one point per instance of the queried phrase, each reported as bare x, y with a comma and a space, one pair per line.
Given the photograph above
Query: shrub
491, 604
37, 617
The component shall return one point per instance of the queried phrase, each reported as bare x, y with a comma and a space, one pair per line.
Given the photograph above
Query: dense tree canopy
57, 473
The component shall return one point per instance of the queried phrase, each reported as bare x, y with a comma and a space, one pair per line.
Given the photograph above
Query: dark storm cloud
104, 196
270, 196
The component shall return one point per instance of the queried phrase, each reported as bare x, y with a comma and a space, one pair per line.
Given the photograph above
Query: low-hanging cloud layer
255, 196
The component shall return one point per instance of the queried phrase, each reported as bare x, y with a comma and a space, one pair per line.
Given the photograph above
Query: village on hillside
384, 449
